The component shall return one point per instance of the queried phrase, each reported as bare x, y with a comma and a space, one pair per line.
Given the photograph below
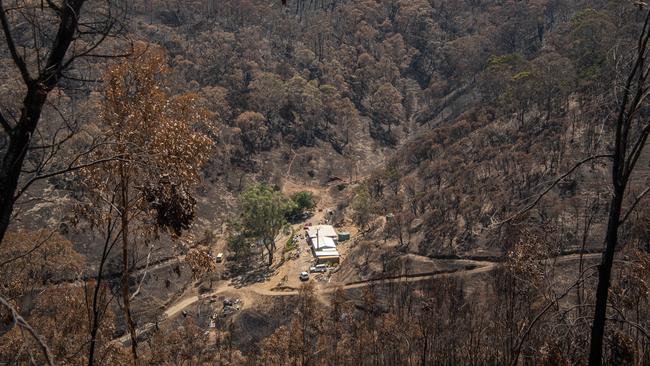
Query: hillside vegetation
480, 152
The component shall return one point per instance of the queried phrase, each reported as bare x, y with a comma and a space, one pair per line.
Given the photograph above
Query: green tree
236, 240
263, 214
499, 75
362, 208
302, 202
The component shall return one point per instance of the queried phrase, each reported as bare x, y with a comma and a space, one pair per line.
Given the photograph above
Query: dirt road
470, 268
462, 267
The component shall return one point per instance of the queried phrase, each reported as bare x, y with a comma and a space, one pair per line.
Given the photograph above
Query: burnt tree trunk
37, 90
12, 161
124, 216
628, 146
604, 277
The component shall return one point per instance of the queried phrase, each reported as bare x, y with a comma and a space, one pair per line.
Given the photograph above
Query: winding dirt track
470, 268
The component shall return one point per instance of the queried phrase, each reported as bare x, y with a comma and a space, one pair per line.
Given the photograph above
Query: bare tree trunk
626, 155
12, 161
96, 312
124, 215
37, 90
604, 276
270, 247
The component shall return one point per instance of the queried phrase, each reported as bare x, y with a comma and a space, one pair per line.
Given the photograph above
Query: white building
326, 231
322, 239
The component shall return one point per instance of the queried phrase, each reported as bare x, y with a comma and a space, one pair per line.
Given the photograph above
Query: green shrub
303, 203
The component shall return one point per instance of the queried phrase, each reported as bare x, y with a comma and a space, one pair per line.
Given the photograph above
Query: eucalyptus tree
161, 143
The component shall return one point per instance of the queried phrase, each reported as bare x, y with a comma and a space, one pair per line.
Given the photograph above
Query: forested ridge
488, 158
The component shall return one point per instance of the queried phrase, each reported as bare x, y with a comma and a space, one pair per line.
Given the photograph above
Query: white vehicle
319, 268
219, 258
304, 276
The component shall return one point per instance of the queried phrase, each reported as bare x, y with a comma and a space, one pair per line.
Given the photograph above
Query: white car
319, 268
304, 276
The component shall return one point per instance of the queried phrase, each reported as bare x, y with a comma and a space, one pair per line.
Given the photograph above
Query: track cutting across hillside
470, 268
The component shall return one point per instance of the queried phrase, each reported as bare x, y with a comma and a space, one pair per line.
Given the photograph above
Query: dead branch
524, 335
144, 275
23, 255
22, 323
68, 169
18, 60
550, 187
634, 204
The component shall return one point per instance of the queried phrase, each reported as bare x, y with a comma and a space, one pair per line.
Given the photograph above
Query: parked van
219, 258
319, 268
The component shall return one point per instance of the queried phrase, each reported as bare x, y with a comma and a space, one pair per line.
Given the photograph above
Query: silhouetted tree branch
21, 322
550, 187
634, 95
44, 76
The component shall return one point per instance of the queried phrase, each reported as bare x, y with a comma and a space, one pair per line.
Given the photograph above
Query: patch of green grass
290, 245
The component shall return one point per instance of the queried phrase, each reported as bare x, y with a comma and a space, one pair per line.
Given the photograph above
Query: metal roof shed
323, 243
323, 231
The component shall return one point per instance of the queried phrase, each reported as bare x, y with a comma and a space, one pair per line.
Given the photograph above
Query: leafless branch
104, 35
632, 324
53, 6
68, 169
548, 189
634, 204
81, 80
22, 323
34, 248
18, 60
144, 275
637, 149
525, 333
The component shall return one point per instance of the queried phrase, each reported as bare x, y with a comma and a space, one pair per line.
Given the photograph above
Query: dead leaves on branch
31, 264
172, 204
200, 262
529, 259
161, 140
30, 259
61, 319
